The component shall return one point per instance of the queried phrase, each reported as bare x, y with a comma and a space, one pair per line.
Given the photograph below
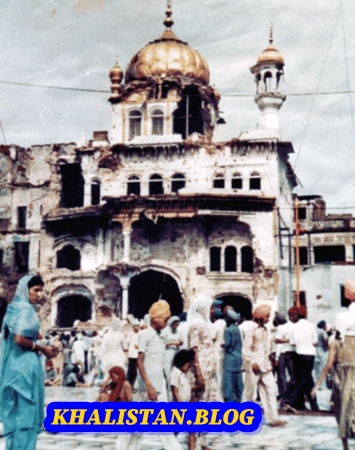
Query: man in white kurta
257, 366
151, 380
304, 337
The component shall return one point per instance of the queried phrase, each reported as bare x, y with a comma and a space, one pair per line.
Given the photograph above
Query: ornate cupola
166, 96
269, 86
116, 76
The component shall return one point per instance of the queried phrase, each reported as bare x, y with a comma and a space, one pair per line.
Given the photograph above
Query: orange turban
261, 311
349, 290
159, 310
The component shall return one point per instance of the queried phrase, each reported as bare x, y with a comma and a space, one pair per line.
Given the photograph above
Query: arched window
255, 182
215, 259
267, 81
247, 258
279, 75
135, 124
218, 182
68, 258
156, 185
95, 192
157, 121
237, 181
178, 182
230, 259
133, 185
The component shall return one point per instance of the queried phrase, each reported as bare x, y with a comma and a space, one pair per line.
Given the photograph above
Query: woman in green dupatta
21, 374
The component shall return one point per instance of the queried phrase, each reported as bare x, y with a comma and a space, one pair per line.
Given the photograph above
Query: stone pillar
87, 192
349, 256
126, 246
100, 247
125, 294
239, 259
126, 231
223, 249
201, 256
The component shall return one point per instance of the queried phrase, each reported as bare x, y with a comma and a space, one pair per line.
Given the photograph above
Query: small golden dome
271, 54
116, 74
168, 56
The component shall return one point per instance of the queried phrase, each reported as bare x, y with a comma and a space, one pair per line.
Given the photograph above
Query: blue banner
153, 417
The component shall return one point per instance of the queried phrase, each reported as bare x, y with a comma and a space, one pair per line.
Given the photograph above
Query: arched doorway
241, 305
72, 308
150, 286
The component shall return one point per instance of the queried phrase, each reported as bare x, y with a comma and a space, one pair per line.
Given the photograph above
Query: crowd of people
211, 353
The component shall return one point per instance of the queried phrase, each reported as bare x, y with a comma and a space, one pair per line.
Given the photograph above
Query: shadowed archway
150, 286
72, 308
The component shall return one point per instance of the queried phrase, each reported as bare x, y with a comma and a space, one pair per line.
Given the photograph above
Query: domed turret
116, 76
168, 56
269, 86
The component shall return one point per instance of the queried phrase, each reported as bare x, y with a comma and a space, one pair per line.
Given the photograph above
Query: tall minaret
269, 86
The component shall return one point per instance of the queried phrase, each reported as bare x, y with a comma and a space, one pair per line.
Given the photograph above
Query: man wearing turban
304, 337
258, 368
151, 381
232, 369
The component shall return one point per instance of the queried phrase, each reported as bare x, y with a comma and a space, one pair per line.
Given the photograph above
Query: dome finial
271, 38
168, 22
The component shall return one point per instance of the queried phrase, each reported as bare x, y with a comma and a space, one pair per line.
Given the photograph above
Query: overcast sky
75, 43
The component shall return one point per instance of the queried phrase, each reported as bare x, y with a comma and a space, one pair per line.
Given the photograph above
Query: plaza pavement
306, 432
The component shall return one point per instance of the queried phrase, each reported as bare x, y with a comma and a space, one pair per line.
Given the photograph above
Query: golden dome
271, 54
168, 56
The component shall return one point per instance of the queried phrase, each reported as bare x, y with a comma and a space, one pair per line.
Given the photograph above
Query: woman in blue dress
21, 375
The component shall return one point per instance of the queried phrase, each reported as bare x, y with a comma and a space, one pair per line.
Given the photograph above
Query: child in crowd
180, 382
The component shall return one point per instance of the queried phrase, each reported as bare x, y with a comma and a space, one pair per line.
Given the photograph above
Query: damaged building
327, 258
157, 208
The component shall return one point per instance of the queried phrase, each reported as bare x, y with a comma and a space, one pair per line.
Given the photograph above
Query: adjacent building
327, 257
